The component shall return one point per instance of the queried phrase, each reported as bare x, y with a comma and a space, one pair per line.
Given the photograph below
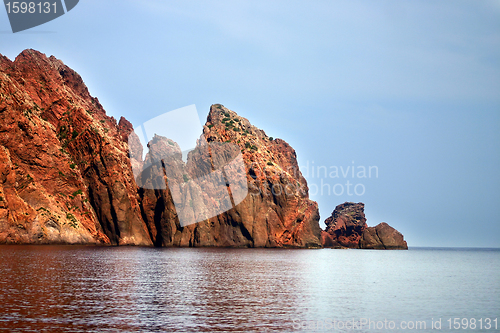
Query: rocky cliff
347, 228
66, 173
276, 212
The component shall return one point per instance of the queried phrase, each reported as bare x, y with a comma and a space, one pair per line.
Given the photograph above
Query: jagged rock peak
65, 172
66, 175
347, 227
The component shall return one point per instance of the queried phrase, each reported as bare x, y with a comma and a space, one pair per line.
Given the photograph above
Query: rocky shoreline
66, 177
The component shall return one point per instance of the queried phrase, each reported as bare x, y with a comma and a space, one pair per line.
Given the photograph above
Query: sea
137, 289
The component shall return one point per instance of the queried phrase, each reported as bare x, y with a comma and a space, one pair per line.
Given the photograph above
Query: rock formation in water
347, 228
64, 171
382, 237
276, 212
66, 175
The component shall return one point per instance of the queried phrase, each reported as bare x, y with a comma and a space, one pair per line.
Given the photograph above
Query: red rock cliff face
64, 172
276, 212
347, 228
66, 177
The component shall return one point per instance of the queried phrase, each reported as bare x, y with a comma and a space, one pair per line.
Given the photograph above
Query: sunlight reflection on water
129, 289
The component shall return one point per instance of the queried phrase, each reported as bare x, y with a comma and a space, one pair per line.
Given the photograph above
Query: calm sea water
127, 289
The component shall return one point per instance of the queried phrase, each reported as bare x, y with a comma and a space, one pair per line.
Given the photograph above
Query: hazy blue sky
411, 87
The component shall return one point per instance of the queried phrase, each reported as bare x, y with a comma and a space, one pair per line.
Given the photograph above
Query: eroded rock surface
382, 236
66, 173
276, 212
347, 228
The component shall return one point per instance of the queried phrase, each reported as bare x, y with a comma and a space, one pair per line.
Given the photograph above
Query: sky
408, 88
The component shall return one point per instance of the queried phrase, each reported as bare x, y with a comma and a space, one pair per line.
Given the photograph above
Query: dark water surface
128, 289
